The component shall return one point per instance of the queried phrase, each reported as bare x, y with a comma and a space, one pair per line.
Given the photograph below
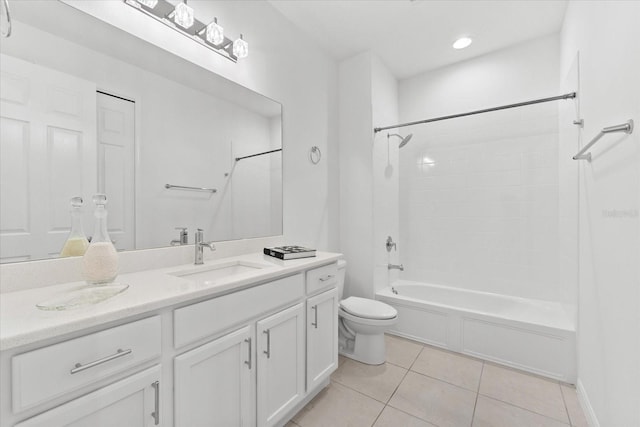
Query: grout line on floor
566, 408
378, 416
411, 415
475, 405
359, 392
397, 387
445, 381
528, 410
416, 359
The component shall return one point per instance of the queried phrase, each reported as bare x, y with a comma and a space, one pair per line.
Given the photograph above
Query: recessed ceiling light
462, 42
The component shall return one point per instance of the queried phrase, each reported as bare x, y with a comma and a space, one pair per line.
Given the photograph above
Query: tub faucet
395, 267
200, 246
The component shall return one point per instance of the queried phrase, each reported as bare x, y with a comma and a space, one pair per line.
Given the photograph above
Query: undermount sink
208, 274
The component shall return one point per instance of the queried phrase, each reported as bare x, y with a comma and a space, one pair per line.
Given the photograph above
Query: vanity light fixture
181, 18
240, 48
462, 42
183, 15
149, 3
214, 32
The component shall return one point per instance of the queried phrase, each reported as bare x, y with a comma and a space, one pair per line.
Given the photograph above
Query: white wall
605, 33
384, 98
479, 194
368, 172
356, 173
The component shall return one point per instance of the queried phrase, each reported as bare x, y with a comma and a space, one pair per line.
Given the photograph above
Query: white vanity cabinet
252, 376
50, 373
281, 380
131, 402
250, 357
214, 382
322, 337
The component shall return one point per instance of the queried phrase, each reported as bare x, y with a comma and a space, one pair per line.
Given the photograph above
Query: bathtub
532, 335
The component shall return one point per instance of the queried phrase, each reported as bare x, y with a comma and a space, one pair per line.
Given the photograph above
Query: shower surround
482, 213
479, 195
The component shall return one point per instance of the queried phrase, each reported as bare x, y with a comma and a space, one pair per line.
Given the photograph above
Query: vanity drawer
322, 278
49, 372
198, 321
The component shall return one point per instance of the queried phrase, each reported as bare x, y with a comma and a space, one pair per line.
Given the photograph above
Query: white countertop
21, 322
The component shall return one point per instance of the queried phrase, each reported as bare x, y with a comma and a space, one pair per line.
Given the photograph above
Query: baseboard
589, 413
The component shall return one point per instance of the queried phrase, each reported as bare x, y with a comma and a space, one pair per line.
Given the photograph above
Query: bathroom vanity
239, 341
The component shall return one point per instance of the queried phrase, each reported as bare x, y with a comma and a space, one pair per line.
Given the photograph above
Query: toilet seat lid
368, 308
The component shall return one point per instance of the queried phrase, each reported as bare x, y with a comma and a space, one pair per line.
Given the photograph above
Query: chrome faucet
184, 237
200, 246
395, 267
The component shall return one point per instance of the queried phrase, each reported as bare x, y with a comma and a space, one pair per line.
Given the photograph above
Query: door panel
48, 153
116, 163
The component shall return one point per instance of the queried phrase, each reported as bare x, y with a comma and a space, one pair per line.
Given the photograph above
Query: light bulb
183, 15
148, 3
462, 42
240, 48
215, 33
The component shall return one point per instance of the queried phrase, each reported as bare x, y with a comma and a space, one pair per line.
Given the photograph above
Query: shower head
404, 139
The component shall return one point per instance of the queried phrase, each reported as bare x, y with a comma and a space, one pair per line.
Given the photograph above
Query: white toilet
362, 323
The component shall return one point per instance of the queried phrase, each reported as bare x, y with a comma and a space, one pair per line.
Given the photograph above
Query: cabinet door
132, 402
280, 364
322, 337
214, 383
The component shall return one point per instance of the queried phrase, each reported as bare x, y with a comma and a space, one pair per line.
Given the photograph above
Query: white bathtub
533, 335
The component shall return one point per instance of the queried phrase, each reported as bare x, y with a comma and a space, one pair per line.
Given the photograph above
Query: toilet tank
342, 269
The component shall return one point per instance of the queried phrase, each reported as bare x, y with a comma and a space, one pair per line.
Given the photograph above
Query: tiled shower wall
479, 206
479, 195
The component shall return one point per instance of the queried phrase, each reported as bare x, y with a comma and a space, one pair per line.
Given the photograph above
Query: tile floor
422, 386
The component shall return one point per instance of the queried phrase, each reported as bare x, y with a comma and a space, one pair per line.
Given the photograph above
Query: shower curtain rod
570, 95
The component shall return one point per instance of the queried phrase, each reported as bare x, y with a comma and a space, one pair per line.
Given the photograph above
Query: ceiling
415, 36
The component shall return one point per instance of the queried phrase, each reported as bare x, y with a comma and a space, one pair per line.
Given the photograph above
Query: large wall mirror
88, 108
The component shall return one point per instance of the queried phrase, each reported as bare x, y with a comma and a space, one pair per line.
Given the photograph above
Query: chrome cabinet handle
268, 350
327, 277
248, 362
156, 414
315, 311
80, 367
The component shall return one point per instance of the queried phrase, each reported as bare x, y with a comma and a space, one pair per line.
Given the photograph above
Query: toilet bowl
362, 323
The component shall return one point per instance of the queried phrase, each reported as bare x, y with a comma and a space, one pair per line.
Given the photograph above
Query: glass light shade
148, 3
240, 48
462, 42
215, 33
183, 15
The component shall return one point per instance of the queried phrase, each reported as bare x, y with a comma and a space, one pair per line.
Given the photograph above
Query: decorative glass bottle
77, 243
100, 262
